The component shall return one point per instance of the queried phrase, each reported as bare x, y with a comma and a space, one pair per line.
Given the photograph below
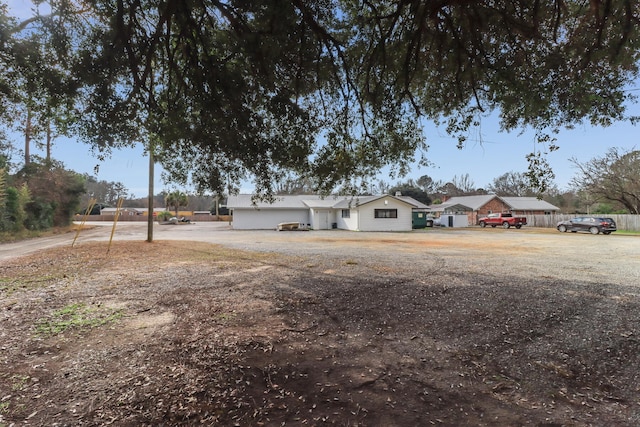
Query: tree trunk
27, 138
49, 138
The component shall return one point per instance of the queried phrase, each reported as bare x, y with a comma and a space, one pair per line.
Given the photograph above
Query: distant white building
128, 211
123, 211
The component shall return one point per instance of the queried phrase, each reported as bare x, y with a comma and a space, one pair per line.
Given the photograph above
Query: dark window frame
346, 213
385, 213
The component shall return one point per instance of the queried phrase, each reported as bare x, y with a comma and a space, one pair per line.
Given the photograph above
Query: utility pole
150, 198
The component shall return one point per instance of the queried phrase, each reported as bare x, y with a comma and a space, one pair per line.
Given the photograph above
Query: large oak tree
334, 90
513, 184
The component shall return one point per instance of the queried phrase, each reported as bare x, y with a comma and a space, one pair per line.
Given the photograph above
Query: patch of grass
4, 408
226, 317
9, 237
628, 232
351, 262
12, 285
18, 382
76, 316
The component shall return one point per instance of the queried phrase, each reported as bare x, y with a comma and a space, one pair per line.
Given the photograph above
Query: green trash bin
419, 220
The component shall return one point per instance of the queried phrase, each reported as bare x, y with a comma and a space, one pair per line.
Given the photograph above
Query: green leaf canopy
334, 90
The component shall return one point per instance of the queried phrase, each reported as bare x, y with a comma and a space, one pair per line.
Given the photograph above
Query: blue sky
490, 153
487, 155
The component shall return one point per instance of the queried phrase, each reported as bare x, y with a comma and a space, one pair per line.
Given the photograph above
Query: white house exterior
322, 215
263, 216
358, 213
375, 213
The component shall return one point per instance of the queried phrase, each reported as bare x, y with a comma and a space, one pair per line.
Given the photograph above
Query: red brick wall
494, 206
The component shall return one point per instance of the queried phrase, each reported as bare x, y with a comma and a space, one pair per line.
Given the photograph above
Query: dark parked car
592, 224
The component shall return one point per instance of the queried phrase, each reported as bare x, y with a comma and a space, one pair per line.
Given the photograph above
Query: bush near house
164, 216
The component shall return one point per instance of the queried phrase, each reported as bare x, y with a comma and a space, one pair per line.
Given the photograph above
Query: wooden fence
623, 222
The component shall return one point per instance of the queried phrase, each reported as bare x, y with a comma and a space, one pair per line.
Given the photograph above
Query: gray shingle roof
412, 201
529, 204
450, 208
472, 202
243, 201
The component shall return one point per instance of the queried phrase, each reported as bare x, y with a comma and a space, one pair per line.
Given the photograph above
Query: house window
346, 213
386, 213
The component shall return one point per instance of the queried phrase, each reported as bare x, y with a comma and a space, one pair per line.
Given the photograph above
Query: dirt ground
191, 333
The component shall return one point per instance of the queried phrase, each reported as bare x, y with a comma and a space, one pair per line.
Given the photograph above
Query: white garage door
266, 219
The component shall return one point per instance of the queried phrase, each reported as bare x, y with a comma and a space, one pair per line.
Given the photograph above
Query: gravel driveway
529, 252
485, 327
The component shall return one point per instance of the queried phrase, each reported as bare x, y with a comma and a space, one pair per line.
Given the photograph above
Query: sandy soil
482, 328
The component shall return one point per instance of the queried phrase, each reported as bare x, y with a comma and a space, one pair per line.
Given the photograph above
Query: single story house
356, 213
475, 207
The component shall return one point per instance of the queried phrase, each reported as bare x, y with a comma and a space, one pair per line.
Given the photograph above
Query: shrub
164, 215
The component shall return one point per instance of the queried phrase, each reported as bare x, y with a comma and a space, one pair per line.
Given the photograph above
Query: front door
323, 220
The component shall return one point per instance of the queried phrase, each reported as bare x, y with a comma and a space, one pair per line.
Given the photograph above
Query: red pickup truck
506, 220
